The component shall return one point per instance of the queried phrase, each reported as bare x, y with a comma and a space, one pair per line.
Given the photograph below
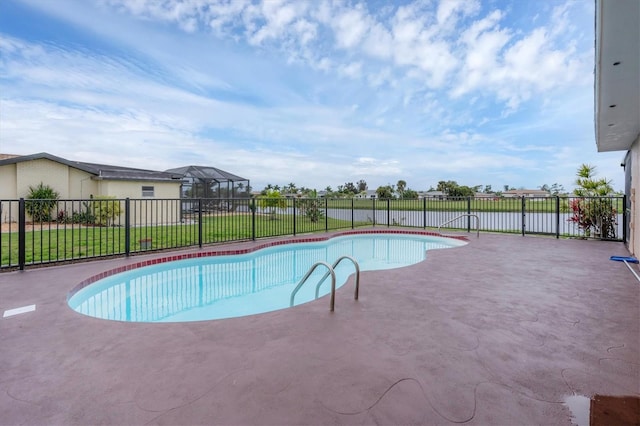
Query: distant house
80, 180
484, 196
439, 195
526, 193
369, 194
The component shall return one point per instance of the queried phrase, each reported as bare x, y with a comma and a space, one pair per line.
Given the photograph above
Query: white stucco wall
81, 184
634, 225
8, 182
133, 189
31, 173
162, 208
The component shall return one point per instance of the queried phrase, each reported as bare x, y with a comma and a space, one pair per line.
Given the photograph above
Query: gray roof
103, 171
206, 173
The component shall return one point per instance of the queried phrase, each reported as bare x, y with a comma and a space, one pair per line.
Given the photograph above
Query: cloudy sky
315, 92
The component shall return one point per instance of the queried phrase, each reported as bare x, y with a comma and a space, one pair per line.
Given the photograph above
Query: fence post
326, 214
352, 223
253, 219
624, 218
524, 214
373, 200
127, 227
200, 222
468, 213
22, 223
557, 216
388, 212
424, 212
294, 217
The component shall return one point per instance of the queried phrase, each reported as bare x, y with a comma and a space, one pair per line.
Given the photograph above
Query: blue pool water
237, 285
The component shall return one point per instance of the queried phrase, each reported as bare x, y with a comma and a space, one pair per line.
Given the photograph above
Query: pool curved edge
209, 253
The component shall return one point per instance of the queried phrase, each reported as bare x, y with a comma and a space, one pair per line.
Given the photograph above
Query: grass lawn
68, 242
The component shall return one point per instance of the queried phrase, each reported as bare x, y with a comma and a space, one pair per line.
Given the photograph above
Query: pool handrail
340, 259
463, 215
308, 274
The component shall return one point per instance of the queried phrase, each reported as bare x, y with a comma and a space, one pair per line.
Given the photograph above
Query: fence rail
36, 232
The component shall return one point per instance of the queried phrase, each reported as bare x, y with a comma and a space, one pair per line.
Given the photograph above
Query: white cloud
352, 70
350, 27
445, 89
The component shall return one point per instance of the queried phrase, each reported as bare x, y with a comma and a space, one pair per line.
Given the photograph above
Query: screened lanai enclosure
217, 188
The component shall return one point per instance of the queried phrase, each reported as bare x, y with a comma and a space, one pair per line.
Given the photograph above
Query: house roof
526, 191
617, 71
206, 173
5, 156
101, 171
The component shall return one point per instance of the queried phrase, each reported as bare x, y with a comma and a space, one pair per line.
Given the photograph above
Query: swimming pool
206, 288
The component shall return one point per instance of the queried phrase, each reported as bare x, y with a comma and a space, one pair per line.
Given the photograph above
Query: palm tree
593, 211
401, 187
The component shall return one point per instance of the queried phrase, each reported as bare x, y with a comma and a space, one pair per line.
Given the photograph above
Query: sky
312, 92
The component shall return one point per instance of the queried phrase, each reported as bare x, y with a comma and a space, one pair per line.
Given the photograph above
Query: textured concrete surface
499, 331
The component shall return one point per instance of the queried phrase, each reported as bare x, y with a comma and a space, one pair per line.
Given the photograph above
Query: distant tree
349, 188
487, 189
328, 189
385, 192
272, 201
400, 187
544, 187
289, 188
448, 187
410, 194
311, 206
557, 188
461, 191
362, 185
595, 212
266, 189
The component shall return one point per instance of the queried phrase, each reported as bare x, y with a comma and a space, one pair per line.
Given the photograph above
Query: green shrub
40, 201
106, 209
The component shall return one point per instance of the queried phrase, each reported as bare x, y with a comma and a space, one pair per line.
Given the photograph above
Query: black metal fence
38, 232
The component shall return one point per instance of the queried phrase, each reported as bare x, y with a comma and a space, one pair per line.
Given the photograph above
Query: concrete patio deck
499, 331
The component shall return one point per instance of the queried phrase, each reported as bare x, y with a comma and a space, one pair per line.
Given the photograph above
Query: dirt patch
615, 410
13, 226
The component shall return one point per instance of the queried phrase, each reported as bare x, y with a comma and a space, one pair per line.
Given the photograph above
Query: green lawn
76, 242
68, 242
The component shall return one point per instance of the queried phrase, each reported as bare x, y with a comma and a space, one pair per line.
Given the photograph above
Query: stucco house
526, 193
78, 180
369, 193
438, 195
617, 97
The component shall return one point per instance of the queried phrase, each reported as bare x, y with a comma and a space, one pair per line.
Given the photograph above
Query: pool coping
230, 252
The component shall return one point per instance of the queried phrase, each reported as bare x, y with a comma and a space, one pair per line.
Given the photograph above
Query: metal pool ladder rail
464, 215
340, 259
333, 280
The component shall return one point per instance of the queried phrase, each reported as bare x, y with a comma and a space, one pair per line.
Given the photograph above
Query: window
147, 191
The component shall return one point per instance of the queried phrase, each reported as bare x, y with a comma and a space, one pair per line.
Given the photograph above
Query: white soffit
617, 74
